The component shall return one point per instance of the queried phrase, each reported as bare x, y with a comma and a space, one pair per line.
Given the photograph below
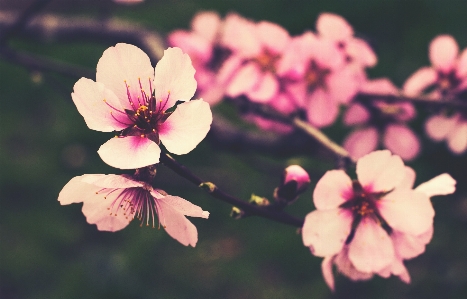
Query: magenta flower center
135, 202
362, 203
267, 61
146, 115
447, 82
315, 76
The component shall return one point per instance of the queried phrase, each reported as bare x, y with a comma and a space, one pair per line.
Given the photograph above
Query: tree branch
266, 211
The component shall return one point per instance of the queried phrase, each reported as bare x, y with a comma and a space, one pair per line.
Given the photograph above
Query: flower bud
295, 181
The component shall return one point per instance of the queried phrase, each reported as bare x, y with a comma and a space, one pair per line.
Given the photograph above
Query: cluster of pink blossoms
371, 225
445, 79
139, 102
314, 72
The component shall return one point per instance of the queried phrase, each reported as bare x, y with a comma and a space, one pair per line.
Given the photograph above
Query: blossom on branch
132, 97
380, 122
370, 225
294, 181
112, 201
445, 79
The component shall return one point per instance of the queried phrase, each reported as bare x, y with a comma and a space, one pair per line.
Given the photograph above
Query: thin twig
215, 192
423, 100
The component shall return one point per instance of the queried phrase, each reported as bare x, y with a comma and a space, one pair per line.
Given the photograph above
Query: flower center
315, 76
135, 202
447, 82
267, 61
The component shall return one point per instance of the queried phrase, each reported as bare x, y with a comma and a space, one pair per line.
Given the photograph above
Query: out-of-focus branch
266, 211
426, 101
53, 27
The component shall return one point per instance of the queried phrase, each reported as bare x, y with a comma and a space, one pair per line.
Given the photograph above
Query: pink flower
336, 28
370, 225
448, 77
131, 97
207, 54
317, 78
380, 121
295, 180
112, 201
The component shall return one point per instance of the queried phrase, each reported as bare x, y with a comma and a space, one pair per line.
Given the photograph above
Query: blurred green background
49, 251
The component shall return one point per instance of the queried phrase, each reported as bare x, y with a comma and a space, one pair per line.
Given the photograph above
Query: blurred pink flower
337, 29
112, 201
317, 78
446, 78
131, 97
370, 225
128, 1
203, 46
380, 121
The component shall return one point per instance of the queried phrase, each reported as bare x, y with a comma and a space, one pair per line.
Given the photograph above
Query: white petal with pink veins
186, 127
129, 152
325, 231
438, 126
96, 209
332, 190
402, 141
419, 80
361, 142
183, 206
443, 184
407, 211
76, 191
380, 170
443, 52
176, 224
371, 249
100, 107
121, 63
174, 78
457, 138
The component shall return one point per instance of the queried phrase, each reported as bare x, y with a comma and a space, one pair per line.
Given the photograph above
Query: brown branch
423, 100
267, 212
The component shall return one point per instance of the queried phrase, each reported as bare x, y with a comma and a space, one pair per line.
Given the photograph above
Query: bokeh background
49, 251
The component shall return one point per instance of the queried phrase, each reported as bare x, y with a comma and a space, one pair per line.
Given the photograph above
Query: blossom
202, 43
294, 181
370, 225
131, 97
318, 79
112, 201
380, 122
446, 78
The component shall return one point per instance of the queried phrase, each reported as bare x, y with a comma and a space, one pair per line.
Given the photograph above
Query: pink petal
326, 269
174, 77
266, 88
325, 231
356, 114
298, 174
129, 152
407, 211
371, 248
408, 246
110, 181
462, 64
380, 170
396, 268
76, 191
186, 127
345, 266
95, 102
361, 142
333, 26
125, 63
183, 206
419, 80
243, 80
409, 179
332, 190
322, 110
402, 141
206, 24
239, 36
272, 36
195, 45
176, 224
342, 85
438, 127
361, 52
381, 86
457, 138
96, 209
443, 184
443, 52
